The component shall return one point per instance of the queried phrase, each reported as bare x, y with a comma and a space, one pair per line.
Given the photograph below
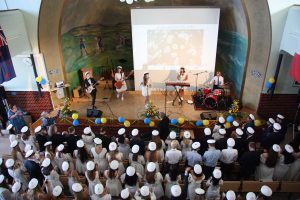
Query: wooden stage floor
133, 105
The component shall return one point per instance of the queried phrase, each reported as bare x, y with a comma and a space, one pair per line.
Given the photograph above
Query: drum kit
212, 98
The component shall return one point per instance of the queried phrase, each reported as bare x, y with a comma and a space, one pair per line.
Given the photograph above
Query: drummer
217, 81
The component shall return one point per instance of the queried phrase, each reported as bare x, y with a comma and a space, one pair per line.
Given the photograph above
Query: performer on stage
182, 76
146, 87
217, 81
121, 86
90, 84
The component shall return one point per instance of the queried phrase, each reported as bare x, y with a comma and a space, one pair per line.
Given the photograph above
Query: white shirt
229, 155
173, 156
215, 80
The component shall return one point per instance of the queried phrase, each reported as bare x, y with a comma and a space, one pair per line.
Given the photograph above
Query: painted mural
97, 34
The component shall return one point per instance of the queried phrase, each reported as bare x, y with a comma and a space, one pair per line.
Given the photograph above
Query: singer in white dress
120, 77
146, 87
182, 76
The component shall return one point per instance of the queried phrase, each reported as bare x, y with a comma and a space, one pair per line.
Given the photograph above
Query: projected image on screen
174, 47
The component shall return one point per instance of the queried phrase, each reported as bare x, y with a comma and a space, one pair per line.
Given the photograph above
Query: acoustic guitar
120, 83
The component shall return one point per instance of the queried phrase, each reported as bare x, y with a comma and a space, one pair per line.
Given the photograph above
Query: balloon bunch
149, 122
123, 121
75, 119
41, 80
270, 83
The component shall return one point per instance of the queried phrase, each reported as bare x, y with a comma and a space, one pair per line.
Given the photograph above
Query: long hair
288, 157
215, 181
131, 180
91, 174
83, 155
153, 156
157, 141
135, 156
111, 173
272, 158
145, 80
150, 177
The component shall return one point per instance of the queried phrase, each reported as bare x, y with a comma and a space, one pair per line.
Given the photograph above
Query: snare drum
206, 91
211, 101
217, 92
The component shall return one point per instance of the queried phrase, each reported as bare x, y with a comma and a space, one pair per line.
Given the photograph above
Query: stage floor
133, 105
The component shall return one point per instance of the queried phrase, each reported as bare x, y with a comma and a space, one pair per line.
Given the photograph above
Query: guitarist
90, 82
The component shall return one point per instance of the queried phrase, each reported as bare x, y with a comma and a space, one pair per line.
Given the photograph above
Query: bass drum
210, 101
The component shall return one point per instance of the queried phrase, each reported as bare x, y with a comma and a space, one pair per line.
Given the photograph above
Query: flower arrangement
234, 108
151, 111
66, 110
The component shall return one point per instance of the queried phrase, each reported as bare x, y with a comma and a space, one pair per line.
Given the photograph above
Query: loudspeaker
93, 113
208, 115
2, 93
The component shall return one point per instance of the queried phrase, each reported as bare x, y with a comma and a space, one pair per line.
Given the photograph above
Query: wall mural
97, 34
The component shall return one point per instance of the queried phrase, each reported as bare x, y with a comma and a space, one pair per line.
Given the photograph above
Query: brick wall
285, 104
31, 102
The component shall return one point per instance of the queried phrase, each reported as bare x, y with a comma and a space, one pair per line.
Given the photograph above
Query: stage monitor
165, 39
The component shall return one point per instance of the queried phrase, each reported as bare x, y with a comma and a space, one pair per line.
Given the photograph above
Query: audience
154, 169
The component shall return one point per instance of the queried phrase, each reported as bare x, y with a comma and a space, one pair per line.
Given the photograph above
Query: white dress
146, 89
121, 77
193, 184
263, 172
92, 183
100, 159
97, 197
58, 160
18, 175
294, 171
119, 157
71, 181
281, 169
114, 185
30, 141
125, 149
53, 179
80, 167
169, 184
157, 186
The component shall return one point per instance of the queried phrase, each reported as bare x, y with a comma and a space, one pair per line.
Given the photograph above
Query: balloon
272, 80
269, 85
98, 121
45, 122
227, 125
229, 119
205, 122
43, 81
147, 120
103, 120
127, 123
75, 122
152, 123
180, 120
198, 123
121, 119
75, 116
257, 122
173, 121
38, 79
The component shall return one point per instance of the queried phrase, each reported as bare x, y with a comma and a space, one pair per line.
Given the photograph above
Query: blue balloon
229, 119
269, 85
75, 122
147, 120
45, 121
98, 121
198, 123
43, 81
173, 121
121, 119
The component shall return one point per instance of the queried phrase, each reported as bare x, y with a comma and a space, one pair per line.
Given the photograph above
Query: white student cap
65, 166
250, 130
48, 143
145, 191
99, 189
87, 130
135, 132
86, 73
266, 191
57, 190
125, 193
28, 153
230, 142
152, 146
271, 120
199, 191
27, 148
80, 143
60, 147
207, 131
37, 129
90, 165
9, 163
289, 148
9, 127
114, 164
24, 129
198, 169
97, 141
187, 134
276, 148
277, 126
280, 116
2, 177
33, 183
239, 131
135, 148
121, 131
46, 162
235, 123
172, 135
112, 146
250, 196
13, 143
222, 131
130, 171
252, 116
151, 167
230, 195
16, 187
77, 187
119, 67
217, 173
221, 120
155, 132
196, 145
176, 190
211, 141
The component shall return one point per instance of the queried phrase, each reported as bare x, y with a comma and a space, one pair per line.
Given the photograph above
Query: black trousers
208, 171
215, 87
93, 94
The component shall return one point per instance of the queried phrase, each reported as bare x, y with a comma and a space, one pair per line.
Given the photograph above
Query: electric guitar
120, 83
92, 87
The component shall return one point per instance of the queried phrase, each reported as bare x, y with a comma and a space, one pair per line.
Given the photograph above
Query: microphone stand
197, 74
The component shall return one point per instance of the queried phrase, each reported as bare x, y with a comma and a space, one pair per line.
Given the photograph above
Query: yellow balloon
272, 80
38, 79
103, 120
257, 122
151, 124
127, 123
180, 120
227, 125
75, 116
205, 122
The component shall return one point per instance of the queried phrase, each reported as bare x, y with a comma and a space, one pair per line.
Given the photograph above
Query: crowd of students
128, 167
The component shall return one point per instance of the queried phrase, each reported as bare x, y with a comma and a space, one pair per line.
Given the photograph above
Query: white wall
279, 11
